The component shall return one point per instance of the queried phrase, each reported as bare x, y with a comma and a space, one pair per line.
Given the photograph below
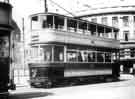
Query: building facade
122, 17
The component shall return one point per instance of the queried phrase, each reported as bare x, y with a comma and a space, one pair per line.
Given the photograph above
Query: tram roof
74, 18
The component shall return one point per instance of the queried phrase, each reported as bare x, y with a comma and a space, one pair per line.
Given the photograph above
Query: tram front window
59, 22
35, 24
47, 21
34, 54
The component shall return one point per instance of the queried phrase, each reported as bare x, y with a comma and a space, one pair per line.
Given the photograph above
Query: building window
134, 20
104, 20
115, 21
122, 54
125, 21
126, 35
127, 53
94, 20
132, 52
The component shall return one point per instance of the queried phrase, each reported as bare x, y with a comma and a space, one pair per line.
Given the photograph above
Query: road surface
114, 90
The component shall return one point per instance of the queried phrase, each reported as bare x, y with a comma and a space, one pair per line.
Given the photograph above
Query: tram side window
107, 57
58, 53
80, 59
47, 50
72, 56
89, 29
93, 29
82, 27
84, 56
91, 56
72, 25
100, 57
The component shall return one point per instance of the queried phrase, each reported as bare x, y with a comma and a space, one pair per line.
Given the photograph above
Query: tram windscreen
47, 21
41, 54
35, 23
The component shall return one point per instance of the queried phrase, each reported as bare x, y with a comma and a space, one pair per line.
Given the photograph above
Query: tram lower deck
45, 74
66, 63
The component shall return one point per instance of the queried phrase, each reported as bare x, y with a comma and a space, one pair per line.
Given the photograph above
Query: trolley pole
46, 9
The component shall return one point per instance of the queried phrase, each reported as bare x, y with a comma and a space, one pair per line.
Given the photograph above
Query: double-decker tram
66, 49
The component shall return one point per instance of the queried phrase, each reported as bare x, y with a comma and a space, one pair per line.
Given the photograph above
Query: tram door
4, 59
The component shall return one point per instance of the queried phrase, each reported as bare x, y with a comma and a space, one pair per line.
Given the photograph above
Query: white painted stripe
73, 73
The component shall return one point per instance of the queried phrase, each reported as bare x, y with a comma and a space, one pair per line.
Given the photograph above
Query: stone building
120, 14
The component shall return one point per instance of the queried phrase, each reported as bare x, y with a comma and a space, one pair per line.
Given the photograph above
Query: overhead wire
62, 8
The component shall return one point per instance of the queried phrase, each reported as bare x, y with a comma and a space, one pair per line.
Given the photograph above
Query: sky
24, 8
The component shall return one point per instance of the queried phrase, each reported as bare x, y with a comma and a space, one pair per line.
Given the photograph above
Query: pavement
124, 89
126, 76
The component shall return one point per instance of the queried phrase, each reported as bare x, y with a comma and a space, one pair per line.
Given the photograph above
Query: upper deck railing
69, 24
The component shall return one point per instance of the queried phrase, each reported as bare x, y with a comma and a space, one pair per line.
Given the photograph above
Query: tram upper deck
51, 27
